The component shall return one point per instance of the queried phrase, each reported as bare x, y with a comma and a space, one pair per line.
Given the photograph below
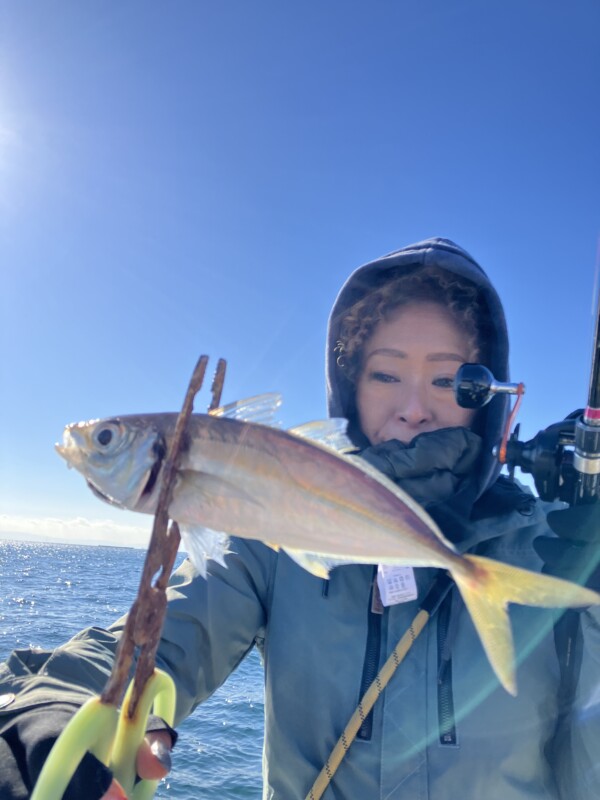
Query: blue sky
196, 177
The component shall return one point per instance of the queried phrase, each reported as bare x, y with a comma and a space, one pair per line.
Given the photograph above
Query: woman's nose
413, 408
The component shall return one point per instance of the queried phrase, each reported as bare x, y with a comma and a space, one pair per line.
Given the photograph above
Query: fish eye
107, 436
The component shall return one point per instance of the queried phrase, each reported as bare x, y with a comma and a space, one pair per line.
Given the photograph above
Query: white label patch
396, 584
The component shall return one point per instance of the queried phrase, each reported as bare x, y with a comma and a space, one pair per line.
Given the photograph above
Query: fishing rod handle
586, 455
586, 460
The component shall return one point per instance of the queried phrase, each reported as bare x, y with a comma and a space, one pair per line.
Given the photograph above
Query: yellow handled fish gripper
98, 727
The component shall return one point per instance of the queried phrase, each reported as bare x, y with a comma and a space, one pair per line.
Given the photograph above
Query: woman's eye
383, 377
444, 383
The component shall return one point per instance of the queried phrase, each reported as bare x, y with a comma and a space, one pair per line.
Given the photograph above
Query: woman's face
406, 382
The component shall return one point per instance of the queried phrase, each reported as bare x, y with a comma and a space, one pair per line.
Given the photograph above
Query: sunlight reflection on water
49, 592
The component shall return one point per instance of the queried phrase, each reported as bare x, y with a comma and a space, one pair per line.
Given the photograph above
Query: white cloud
76, 530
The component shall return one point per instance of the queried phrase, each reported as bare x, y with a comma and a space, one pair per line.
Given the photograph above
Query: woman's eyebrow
445, 357
390, 351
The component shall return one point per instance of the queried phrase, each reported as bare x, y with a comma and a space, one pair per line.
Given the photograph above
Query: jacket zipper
370, 665
438, 599
446, 719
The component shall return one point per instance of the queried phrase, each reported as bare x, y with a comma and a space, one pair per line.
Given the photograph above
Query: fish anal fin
309, 561
317, 564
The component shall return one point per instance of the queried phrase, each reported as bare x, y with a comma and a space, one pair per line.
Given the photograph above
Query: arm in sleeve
39, 693
569, 549
213, 623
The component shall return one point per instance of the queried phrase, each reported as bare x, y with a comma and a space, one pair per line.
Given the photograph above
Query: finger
159, 724
115, 792
154, 756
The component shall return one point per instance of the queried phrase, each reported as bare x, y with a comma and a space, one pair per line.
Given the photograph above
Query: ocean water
49, 592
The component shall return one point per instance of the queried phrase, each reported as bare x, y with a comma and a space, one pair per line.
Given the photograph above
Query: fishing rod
564, 458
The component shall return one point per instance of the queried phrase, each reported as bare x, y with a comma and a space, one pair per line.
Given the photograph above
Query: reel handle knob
473, 386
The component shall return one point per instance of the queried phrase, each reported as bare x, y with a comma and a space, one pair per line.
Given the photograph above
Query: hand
153, 762
27, 736
575, 552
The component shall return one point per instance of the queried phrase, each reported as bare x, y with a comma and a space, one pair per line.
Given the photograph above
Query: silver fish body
257, 482
323, 507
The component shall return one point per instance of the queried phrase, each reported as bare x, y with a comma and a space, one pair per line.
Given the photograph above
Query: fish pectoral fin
260, 409
487, 592
327, 432
203, 543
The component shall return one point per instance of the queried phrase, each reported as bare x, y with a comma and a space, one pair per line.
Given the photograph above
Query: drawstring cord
430, 605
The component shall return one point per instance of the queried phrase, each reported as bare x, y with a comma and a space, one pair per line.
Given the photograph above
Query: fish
303, 491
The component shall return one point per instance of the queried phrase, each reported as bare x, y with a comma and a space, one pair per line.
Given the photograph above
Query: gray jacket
443, 728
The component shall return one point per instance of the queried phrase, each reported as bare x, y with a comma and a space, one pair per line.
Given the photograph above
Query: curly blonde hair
460, 297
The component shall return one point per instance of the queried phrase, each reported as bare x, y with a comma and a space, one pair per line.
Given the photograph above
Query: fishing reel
563, 458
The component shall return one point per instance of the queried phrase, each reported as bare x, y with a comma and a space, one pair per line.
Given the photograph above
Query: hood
446, 255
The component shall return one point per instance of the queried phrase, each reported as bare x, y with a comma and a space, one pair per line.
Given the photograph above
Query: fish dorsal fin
328, 432
260, 409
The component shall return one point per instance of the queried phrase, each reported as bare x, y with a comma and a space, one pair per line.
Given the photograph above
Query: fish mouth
64, 453
74, 444
105, 497
70, 447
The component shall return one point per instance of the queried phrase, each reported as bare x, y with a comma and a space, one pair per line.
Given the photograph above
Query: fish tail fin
487, 590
